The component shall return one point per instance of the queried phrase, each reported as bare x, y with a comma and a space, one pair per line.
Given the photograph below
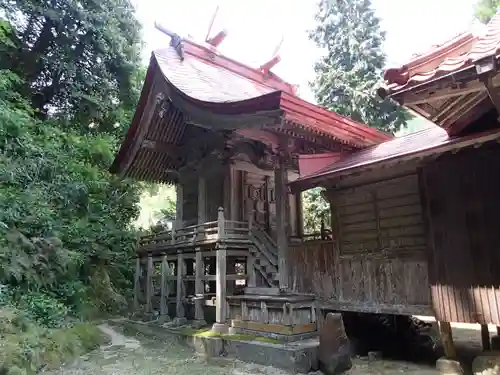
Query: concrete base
296, 357
275, 336
220, 328
487, 364
177, 322
163, 319
449, 367
198, 324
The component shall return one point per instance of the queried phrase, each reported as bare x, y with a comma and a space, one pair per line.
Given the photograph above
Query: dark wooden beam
492, 93
466, 105
157, 146
444, 94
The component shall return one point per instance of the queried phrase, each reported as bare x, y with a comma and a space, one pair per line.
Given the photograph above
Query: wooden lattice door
259, 201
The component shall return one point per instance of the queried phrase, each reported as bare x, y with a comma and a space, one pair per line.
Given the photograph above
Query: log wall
376, 262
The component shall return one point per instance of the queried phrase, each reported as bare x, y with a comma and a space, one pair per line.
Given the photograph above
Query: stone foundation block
334, 349
487, 364
447, 366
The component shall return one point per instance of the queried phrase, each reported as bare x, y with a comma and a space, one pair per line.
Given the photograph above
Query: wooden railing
214, 231
324, 234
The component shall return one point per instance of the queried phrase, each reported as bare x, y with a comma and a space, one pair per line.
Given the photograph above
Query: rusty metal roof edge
319, 178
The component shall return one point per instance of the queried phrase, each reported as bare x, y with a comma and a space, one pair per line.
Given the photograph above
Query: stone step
262, 291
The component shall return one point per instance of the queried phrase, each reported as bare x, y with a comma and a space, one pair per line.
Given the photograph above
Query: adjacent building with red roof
415, 219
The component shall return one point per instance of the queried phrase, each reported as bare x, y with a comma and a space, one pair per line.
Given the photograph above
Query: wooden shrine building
230, 138
415, 219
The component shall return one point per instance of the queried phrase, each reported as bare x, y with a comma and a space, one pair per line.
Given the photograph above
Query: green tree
78, 59
61, 212
486, 9
348, 75
316, 210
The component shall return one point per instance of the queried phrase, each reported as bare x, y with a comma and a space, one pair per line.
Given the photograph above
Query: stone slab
334, 354
262, 291
487, 364
276, 336
297, 357
449, 367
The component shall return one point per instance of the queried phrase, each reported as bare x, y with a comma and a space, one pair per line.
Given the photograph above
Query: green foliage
316, 210
351, 70
66, 241
486, 9
45, 310
27, 348
68, 212
78, 59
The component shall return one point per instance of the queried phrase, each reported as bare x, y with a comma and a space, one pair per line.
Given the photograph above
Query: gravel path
146, 356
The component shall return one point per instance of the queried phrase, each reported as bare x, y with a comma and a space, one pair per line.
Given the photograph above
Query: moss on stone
207, 332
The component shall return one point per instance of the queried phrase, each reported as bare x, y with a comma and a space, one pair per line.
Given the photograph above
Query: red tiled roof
413, 145
222, 85
458, 53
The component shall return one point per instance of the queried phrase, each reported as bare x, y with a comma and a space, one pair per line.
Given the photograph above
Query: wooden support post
250, 219
280, 180
199, 287
149, 286
221, 225
446, 336
165, 271
179, 207
300, 215
202, 200
251, 272
137, 284
179, 300
220, 279
485, 337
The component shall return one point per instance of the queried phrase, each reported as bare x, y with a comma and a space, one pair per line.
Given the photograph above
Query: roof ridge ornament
266, 67
216, 40
176, 41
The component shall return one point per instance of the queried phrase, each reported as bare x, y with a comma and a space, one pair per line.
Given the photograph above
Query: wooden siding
380, 284
383, 216
463, 211
377, 263
214, 194
190, 198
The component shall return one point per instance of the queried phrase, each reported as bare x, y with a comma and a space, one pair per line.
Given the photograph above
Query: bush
26, 347
45, 310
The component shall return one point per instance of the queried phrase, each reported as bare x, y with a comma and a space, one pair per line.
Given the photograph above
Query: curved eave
136, 121
273, 110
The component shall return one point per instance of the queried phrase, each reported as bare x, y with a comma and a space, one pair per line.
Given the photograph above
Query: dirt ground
146, 356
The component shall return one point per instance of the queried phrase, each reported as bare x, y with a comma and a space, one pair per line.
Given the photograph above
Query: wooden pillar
233, 194
202, 200
220, 278
137, 284
300, 215
251, 274
446, 336
485, 337
179, 207
199, 287
149, 285
280, 180
179, 300
165, 272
